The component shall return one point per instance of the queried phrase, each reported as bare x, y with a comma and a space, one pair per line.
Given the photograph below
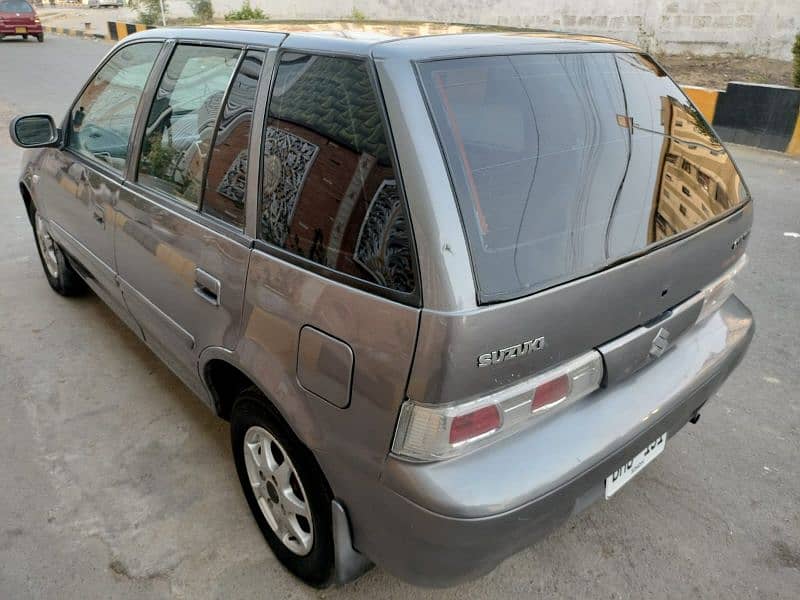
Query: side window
329, 191
226, 183
182, 119
102, 118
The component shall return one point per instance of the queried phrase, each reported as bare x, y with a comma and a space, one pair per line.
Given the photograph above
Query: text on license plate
627, 471
21, 29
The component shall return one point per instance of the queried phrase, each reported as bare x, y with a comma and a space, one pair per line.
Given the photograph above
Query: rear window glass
15, 6
559, 170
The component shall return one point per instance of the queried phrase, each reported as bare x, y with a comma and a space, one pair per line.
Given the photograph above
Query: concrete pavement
118, 483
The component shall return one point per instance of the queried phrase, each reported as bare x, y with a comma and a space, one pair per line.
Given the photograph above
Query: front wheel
60, 274
285, 489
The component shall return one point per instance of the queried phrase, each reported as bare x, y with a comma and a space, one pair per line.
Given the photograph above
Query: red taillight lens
550, 392
471, 425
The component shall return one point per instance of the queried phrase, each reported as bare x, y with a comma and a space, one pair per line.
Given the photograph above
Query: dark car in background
18, 18
449, 291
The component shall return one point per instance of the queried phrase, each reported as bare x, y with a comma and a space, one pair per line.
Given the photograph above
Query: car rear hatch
604, 218
17, 13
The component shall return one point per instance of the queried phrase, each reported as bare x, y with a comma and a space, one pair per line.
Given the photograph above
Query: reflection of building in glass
382, 244
329, 191
697, 180
226, 181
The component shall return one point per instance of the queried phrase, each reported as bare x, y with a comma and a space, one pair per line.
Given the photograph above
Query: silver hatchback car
448, 291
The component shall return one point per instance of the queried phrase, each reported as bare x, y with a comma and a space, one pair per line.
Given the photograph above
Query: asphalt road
116, 482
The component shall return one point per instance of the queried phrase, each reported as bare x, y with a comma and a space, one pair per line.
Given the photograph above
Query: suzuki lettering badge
504, 354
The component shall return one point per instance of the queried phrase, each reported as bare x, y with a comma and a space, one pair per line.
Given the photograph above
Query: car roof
361, 43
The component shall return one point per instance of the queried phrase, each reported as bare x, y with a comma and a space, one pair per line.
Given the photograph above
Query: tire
60, 274
251, 417
40, 37
25, 37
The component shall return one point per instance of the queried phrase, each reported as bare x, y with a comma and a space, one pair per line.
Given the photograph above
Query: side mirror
34, 131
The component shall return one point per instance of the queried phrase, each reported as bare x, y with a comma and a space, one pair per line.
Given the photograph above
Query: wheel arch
224, 378
27, 199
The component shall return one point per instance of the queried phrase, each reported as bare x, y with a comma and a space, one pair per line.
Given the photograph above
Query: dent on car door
331, 306
81, 183
181, 251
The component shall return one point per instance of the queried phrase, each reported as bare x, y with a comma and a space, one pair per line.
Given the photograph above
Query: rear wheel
25, 37
285, 489
40, 37
60, 274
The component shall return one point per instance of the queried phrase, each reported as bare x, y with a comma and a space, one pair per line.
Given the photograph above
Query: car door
181, 249
81, 184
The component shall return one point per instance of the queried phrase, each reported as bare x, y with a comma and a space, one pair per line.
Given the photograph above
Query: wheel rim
278, 490
47, 246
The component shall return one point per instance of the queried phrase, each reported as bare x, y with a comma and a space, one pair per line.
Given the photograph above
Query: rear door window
329, 191
539, 148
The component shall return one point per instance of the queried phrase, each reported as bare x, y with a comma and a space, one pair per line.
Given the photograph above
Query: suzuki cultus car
449, 291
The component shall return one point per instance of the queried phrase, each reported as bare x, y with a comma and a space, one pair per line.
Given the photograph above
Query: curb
752, 114
75, 33
118, 30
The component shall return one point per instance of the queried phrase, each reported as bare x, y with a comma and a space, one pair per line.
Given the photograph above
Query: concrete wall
749, 27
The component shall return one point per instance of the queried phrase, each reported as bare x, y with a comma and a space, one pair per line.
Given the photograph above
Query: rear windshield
15, 6
565, 163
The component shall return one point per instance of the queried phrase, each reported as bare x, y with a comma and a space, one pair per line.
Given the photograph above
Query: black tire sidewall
316, 567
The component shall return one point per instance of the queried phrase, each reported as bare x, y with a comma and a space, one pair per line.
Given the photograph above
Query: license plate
21, 30
629, 470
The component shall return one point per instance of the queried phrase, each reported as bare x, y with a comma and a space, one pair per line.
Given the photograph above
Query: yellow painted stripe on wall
794, 144
704, 98
122, 30
141, 27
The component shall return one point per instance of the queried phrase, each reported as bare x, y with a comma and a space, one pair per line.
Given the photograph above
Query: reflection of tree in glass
160, 158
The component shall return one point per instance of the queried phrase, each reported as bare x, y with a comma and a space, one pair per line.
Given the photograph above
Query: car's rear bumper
7, 29
441, 523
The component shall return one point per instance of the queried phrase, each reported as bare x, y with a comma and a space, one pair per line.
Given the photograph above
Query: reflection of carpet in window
287, 160
382, 247
234, 181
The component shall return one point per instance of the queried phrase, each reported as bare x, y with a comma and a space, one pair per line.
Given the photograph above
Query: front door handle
207, 286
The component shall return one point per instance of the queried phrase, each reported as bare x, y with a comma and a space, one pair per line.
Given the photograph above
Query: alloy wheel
278, 490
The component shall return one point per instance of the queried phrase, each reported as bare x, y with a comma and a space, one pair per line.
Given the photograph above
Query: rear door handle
207, 286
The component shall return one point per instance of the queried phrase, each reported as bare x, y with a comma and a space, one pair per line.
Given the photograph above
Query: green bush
149, 11
357, 15
202, 9
796, 65
246, 13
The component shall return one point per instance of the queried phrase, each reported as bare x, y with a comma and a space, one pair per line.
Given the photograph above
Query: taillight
474, 424
551, 393
715, 294
433, 432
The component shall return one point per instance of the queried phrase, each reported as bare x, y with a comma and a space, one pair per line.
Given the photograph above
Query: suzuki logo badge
660, 343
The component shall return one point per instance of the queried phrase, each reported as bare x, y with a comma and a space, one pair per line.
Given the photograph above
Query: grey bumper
441, 523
